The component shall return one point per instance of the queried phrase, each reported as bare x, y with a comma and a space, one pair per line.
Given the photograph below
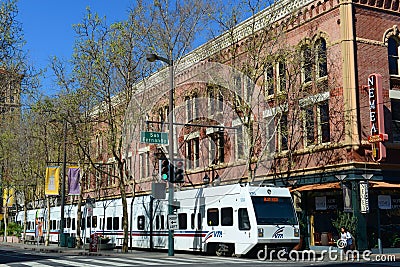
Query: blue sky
47, 27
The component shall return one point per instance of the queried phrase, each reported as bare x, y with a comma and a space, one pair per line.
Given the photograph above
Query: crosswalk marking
106, 262
34, 264
71, 263
134, 261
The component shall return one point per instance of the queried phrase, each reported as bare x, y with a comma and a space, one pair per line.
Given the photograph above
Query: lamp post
62, 237
170, 62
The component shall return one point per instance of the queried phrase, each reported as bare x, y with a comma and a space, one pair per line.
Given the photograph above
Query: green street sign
154, 138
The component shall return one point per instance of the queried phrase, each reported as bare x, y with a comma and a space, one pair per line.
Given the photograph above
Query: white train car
230, 219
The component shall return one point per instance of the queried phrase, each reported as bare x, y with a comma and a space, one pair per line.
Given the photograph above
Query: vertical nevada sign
376, 117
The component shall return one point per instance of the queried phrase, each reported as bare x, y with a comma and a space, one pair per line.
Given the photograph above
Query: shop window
182, 221
226, 216
213, 217
243, 218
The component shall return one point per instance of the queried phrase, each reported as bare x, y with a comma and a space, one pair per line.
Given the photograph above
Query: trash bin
71, 241
63, 239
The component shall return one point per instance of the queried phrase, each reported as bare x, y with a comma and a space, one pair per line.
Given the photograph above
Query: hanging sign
364, 201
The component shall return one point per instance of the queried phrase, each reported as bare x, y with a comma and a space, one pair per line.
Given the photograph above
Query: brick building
305, 122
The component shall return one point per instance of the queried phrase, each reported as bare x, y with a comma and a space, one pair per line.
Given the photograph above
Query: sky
47, 28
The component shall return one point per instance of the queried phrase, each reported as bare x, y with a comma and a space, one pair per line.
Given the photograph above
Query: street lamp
170, 62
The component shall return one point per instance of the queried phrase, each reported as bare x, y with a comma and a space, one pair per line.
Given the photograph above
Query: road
18, 257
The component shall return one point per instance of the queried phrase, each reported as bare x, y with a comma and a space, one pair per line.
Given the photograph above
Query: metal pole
61, 237
171, 156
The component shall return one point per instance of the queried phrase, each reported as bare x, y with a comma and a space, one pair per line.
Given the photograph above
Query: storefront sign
396, 203
364, 201
331, 204
376, 117
384, 202
320, 203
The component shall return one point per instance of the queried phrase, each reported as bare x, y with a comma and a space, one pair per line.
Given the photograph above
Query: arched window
307, 64
393, 53
322, 66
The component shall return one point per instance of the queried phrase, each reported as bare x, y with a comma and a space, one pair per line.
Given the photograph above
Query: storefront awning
312, 187
375, 184
336, 185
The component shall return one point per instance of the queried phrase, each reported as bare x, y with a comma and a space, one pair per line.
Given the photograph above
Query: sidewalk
54, 248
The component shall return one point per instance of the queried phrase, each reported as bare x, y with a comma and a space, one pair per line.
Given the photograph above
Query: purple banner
73, 181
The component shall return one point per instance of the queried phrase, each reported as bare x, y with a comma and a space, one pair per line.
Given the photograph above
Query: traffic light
179, 172
165, 170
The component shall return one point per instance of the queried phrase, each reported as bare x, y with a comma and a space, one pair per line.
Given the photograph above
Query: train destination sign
154, 138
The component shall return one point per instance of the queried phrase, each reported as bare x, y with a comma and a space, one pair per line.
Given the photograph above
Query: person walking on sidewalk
347, 238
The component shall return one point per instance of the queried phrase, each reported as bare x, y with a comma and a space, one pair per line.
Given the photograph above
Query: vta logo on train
279, 232
213, 234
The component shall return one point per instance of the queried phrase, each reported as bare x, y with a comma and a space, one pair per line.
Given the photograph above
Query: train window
213, 217
73, 224
140, 222
94, 221
244, 222
109, 223
199, 220
157, 222
162, 221
116, 223
227, 216
182, 221
69, 222
88, 222
83, 224
192, 219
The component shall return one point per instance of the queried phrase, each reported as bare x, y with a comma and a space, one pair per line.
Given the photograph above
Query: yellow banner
52, 181
8, 197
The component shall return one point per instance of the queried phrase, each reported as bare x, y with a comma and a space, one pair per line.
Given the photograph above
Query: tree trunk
78, 222
124, 209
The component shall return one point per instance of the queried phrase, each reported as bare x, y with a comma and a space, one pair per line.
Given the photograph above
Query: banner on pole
52, 181
74, 176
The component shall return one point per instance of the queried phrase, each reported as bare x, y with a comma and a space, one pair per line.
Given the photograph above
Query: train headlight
296, 232
260, 232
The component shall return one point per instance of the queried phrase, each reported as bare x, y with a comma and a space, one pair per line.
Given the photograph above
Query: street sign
172, 222
154, 138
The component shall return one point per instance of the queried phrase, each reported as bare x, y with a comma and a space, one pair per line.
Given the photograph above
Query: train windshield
274, 210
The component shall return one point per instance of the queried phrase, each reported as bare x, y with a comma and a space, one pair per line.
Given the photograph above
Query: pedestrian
347, 239
38, 231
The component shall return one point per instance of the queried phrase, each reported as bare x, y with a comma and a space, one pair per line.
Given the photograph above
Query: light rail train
224, 220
